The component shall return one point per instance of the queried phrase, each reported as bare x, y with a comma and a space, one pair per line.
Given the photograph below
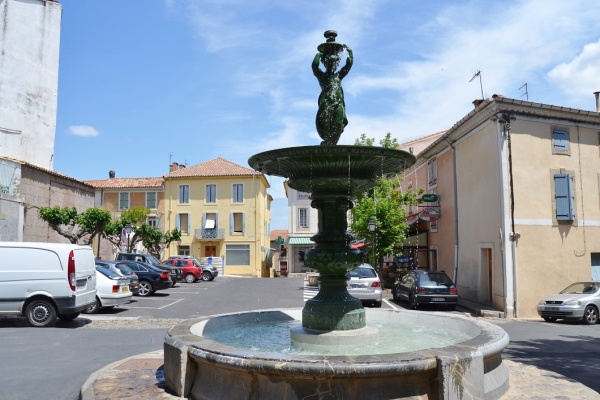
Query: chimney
597, 101
477, 102
111, 174
173, 167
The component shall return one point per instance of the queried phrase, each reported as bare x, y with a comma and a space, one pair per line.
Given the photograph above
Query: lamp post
128, 230
372, 228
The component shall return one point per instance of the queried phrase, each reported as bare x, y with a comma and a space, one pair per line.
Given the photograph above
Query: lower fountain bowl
199, 368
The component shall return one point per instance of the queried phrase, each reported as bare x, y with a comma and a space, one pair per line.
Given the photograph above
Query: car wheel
549, 319
412, 302
68, 317
207, 276
94, 307
377, 304
40, 313
145, 288
590, 315
190, 278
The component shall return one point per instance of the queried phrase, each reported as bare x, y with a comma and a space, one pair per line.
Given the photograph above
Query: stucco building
518, 198
303, 224
222, 210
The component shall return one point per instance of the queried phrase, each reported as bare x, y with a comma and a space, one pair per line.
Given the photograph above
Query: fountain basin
200, 368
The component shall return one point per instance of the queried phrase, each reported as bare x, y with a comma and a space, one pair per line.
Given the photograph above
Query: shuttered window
563, 193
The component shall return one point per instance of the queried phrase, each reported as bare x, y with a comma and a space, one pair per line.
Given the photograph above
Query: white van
42, 281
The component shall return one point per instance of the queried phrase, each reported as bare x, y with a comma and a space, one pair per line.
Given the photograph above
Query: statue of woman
331, 117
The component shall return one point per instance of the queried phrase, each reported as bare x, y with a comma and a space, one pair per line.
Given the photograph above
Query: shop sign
429, 198
429, 215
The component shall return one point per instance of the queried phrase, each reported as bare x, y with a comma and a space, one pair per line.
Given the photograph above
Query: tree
156, 242
384, 203
69, 223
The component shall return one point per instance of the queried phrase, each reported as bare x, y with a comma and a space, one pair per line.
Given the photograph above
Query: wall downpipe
455, 183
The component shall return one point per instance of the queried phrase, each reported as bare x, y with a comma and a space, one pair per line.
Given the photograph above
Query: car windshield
435, 279
582, 287
362, 272
152, 260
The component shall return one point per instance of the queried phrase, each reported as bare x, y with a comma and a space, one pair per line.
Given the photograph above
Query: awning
300, 240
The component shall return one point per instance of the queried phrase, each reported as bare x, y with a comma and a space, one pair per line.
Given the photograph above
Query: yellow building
222, 210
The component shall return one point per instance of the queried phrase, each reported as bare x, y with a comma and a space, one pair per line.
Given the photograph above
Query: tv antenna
478, 73
526, 94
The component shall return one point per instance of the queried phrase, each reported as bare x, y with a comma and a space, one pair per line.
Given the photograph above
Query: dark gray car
426, 287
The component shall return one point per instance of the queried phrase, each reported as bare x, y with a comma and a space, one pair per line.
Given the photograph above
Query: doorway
486, 275
210, 251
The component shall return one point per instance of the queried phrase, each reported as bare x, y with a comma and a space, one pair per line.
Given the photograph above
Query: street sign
429, 215
429, 198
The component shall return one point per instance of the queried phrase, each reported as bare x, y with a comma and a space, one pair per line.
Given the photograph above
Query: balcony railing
209, 234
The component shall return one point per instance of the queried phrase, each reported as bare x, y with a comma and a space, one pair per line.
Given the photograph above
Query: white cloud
83, 131
579, 77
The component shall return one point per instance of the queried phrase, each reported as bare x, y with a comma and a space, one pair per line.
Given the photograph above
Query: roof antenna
526, 94
478, 73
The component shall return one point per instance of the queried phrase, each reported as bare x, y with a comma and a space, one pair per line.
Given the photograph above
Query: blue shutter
560, 140
564, 197
216, 220
243, 223
203, 220
177, 222
231, 224
189, 225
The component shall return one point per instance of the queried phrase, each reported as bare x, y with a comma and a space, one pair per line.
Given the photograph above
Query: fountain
321, 359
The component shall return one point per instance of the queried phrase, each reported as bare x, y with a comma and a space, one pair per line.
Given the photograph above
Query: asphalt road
53, 363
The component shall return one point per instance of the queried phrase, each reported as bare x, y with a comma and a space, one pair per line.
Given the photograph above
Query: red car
192, 271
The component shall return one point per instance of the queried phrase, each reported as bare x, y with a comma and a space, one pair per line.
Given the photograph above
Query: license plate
126, 288
358, 286
438, 299
552, 308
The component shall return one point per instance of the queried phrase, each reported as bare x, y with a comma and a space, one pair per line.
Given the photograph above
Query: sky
144, 83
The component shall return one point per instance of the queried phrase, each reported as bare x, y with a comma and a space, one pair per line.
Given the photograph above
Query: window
303, 217
237, 254
151, 200
182, 222
563, 195
237, 223
153, 222
432, 172
303, 196
184, 250
123, 201
209, 221
211, 194
238, 193
560, 141
184, 194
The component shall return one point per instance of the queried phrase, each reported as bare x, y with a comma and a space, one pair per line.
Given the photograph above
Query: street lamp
372, 228
128, 230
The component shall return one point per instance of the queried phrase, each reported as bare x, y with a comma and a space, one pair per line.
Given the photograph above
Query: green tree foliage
156, 241
384, 203
76, 227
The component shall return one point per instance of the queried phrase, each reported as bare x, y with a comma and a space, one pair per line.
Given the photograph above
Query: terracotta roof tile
123, 183
216, 167
275, 233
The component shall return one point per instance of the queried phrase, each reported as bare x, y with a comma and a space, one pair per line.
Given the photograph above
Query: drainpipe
454, 173
597, 94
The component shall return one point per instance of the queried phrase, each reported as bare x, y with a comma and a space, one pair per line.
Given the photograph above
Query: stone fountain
322, 361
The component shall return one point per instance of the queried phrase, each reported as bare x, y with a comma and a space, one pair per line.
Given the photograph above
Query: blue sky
143, 83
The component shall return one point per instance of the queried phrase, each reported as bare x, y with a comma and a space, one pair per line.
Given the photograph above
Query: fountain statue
323, 355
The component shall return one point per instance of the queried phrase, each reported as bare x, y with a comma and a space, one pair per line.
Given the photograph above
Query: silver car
579, 301
364, 284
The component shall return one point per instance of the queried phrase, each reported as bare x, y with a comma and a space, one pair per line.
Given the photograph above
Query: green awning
300, 240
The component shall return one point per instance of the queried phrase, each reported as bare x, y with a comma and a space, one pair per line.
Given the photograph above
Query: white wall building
303, 224
29, 47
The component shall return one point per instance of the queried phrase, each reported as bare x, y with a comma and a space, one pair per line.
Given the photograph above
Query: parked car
151, 278
426, 287
364, 284
193, 269
578, 301
42, 281
123, 270
112, 290
176, 273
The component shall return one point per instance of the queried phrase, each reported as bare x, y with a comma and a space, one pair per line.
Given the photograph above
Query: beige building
517, 215
223, 211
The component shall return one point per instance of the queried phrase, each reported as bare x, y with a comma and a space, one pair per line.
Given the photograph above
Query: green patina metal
333, 174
